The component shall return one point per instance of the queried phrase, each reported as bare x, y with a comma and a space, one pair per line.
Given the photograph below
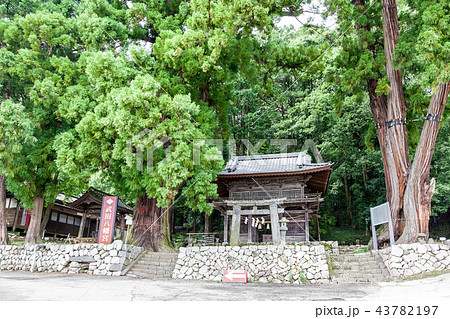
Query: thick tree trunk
419, 190
152, 227
379, 108
396, 116
44, 222
32, 236
378, 105
408, 189
3, 231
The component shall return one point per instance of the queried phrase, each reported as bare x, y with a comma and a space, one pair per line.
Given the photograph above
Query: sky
313, 13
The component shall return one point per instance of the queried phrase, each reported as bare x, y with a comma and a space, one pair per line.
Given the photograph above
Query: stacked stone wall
96, 259
413, 259
299, 263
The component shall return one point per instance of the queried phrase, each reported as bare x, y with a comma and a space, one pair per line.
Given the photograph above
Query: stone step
355, 268
352, 258
154, 266
152, 270
367, 263
161, 256
150, 273
155, 263
142, 266
150, 260
358, 275
138, 274
338, 273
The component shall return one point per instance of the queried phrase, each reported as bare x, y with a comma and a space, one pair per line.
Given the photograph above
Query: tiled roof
270, 163
99, 195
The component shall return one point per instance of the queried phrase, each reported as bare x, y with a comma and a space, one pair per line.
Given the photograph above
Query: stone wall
96, 259
264, 263
413, 259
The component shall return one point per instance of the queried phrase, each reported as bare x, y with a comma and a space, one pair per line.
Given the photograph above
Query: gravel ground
21, 286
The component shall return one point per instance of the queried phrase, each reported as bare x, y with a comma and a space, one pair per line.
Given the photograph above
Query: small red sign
27, 220
235, 276
108, 219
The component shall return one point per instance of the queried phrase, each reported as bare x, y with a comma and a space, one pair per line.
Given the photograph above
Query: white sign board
380, 215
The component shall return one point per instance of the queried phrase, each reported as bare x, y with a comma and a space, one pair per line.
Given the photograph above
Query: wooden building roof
91, 201
285, 164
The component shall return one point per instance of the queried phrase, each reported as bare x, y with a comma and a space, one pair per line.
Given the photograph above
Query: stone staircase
154, 265
359, 267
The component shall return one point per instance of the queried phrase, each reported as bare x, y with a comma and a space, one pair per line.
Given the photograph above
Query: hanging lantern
268, 225
283, 221
259, 226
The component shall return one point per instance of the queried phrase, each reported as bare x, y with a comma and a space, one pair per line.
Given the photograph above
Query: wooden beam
83, 221
253, 212
263, 202
122, 227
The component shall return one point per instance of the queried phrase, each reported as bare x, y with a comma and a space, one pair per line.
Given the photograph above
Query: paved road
55, 286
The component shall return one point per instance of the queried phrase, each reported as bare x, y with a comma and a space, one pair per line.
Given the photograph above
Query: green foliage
97, 92
440, 170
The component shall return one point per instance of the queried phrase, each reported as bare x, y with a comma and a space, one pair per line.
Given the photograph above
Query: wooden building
70, 216
259, 191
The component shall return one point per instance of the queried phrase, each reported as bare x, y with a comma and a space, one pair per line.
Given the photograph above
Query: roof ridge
262, 156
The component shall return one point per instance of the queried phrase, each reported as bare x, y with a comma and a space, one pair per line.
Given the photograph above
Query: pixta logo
142, 147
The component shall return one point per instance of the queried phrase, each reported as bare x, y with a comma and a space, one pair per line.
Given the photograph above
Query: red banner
108, 219
27, 221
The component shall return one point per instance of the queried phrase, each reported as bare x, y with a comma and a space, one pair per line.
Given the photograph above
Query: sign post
108, 219
235, 276
380, 215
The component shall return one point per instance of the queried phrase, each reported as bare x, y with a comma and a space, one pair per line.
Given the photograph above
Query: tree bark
152, 227
408, 189
379, 108
32, 236
3, 231
396, 116
44, 222
419, 189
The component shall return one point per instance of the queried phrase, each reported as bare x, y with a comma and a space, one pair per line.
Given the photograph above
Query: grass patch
347, 235
365, 250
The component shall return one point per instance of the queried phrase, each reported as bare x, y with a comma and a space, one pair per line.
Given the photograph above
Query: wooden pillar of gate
235, 225
225, 228
274, 221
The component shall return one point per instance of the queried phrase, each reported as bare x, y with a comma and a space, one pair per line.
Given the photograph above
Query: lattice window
266, 194
240, 195
292, 193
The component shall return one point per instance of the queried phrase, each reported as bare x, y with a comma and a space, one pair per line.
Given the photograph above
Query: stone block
115, 267
203, 270
396, 251
440, 256
421, 249
118, 244
82, 259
